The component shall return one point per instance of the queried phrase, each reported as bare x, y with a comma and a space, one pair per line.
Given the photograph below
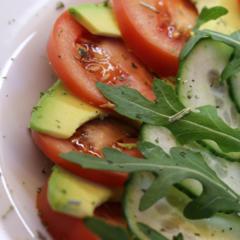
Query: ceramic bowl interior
24, 75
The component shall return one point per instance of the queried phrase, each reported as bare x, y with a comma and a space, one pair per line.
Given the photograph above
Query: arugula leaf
106, 231
191, 43
231, 40
152, 234
232, 68
169, 170
109, 232
206, 15
200, 124
209, 14
178, 237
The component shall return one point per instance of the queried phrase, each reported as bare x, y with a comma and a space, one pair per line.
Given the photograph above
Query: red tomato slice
81, 59
90, 138
63, 227
156, 35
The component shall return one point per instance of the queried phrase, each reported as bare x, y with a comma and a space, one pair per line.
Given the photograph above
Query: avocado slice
59, 114
74, 196
226, 24
98, 19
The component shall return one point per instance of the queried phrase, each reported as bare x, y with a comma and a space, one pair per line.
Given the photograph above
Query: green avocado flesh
98, 19
59, 114
228, 23
74, 196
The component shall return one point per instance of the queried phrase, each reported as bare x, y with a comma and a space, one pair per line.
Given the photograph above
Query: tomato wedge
156, 30
62, 227
81, 59
91, 138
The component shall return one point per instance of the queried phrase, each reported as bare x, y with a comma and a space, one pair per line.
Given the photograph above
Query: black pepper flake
9, 210
120, 78
189, 97
5, 77
106, 3
63, 191
41, 94
41, 236
197, 234
230, 229
83, 53
143, 190
183, 154
59, 56
44, 171
35, 108
60, 5
39, 190
134, 65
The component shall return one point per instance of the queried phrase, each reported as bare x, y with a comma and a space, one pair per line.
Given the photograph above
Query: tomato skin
162, 60
60, 226
93, 136
63, 227
62, 51
52, 148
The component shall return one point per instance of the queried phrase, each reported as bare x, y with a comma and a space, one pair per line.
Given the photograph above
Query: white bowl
25, 72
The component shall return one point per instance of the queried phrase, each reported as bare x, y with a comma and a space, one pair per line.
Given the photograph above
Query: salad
143, 123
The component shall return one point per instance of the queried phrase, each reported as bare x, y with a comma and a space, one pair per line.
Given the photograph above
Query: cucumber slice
234, 85
160, 136
199, 85
166, 216
229, 172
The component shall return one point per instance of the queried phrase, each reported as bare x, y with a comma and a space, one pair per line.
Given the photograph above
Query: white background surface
25, 26
17, 21
11, 22
11, 227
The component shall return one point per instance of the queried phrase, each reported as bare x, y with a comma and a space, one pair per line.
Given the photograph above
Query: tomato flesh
108, 132
90, 138
62, 227
81, 59
156, 35
175, 20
